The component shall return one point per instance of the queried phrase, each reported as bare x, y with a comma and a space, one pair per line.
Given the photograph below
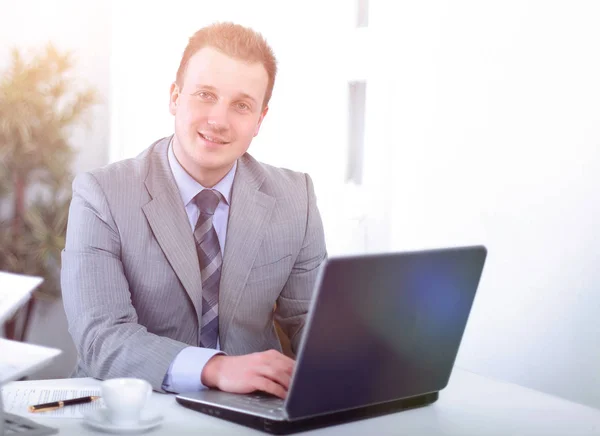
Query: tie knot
207, 201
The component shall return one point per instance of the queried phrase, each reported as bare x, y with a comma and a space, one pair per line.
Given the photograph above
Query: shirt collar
189, 187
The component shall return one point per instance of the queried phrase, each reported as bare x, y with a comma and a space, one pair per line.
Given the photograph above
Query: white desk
470, 405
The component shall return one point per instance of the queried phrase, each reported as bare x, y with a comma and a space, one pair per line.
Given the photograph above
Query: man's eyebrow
209, 87
212, 88
249, 97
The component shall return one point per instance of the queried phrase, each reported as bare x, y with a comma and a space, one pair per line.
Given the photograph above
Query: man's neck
207, 178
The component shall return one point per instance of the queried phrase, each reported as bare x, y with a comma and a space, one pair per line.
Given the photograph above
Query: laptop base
289, 427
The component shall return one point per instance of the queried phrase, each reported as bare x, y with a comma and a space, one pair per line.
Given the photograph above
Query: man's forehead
211, 60
211, 69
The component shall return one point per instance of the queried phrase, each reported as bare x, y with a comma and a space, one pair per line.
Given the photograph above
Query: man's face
218, 110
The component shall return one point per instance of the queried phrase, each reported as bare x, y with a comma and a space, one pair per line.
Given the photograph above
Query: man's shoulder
279, 181
131, 169
124, 174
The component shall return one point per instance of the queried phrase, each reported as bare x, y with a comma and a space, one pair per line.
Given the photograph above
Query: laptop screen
384, 327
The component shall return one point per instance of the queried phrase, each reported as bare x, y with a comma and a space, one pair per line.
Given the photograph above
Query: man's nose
218, 116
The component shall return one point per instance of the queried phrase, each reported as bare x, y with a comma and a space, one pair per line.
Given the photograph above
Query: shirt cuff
184, 374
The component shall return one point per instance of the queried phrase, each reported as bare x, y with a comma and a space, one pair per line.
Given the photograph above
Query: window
356, 131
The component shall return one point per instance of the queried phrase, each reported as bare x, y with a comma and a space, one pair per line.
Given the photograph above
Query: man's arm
294, 300
97, 300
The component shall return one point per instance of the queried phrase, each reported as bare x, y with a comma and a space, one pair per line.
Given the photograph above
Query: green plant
40, 104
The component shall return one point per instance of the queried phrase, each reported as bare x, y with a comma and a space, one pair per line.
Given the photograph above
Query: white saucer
98, 419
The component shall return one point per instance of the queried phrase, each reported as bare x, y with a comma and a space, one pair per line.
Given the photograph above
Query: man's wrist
209, 374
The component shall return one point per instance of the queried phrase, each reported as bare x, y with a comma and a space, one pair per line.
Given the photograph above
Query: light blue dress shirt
186, 369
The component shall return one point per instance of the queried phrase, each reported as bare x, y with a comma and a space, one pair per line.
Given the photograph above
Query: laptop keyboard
257, 402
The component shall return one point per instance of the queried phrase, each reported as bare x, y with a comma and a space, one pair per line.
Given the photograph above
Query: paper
15, 290
17, 399
17, 359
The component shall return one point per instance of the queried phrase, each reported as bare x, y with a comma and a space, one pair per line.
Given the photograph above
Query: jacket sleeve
294, 300
102, 320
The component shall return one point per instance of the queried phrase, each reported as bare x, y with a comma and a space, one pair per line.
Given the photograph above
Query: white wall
83, 28
497, 141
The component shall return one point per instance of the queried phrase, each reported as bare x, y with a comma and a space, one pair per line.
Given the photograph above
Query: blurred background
423, 124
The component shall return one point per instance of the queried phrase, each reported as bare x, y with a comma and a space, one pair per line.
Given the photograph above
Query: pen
58, 404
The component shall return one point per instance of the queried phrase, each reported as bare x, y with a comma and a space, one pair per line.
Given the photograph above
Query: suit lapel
249, 214
169, 222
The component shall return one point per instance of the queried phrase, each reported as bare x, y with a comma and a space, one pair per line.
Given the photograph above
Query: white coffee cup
125, 398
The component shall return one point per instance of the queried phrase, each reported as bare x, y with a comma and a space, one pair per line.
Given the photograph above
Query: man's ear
260, 120
174, 96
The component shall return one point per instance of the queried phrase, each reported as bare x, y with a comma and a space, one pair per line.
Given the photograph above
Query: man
178, 261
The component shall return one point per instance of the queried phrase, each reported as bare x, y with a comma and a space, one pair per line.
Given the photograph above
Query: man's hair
235, 41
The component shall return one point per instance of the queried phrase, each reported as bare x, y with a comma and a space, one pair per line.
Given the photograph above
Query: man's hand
268, 371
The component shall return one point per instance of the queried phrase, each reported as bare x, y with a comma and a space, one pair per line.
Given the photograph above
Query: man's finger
281, 360
287, 366
275, 373
270, 387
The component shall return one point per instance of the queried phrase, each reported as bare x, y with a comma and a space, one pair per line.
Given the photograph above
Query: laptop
382, 335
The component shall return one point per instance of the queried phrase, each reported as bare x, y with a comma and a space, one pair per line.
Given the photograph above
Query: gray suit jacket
130, 276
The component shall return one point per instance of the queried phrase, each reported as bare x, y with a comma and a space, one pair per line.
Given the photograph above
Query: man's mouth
214, 139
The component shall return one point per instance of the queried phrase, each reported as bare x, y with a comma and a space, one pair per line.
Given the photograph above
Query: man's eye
243, 106
205, 95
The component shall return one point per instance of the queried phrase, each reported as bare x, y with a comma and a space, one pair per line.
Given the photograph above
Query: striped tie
210, 259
